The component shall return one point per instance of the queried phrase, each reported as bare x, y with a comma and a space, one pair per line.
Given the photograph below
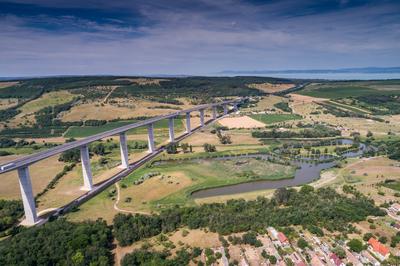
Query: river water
306, 173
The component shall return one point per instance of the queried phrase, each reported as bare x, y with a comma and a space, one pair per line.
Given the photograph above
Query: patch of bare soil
241, 122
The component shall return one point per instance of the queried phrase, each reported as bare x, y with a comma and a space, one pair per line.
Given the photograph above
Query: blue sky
145, 37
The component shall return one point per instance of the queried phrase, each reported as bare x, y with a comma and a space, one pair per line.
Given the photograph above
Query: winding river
305, 173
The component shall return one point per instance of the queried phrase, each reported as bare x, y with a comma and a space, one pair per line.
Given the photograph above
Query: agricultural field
275, 118
240, 122
336, 90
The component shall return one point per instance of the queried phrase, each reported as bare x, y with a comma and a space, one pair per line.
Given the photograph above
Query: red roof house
282, 238
336, 260
378, 248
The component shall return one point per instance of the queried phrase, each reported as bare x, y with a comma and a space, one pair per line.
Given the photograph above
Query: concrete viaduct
22, 165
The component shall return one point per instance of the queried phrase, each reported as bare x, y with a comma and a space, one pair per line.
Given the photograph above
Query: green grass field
275, 118
47, 99
86, 131
211, 173
393, 185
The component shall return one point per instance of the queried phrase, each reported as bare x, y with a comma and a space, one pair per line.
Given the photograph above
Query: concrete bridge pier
124, 150
86, 170
201, 117
214, 112
171, 129
225, 109
188, 129
27, 196
150, 137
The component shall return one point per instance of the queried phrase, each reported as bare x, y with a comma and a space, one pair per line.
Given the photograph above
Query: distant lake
332, 76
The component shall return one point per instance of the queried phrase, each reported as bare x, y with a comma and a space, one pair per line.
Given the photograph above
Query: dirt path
122, 210
108, 95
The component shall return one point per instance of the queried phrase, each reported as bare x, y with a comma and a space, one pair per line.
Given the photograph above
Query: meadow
275, 118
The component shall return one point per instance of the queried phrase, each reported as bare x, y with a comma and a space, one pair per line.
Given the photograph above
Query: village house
315, 261
395, 208
336, 260
367, 258
378, 249
283, 239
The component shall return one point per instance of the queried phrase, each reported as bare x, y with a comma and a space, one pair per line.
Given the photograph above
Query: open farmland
275, 118
241, 122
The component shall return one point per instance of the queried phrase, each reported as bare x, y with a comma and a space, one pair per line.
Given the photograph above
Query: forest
319, 131
59, 243
309, 208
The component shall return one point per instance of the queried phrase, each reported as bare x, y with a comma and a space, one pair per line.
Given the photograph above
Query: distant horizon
229, 73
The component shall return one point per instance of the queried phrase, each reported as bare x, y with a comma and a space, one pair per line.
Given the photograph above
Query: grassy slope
48, 99
275, 118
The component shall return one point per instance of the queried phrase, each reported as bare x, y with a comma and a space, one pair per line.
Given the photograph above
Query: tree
355, 245
272, 259
98, 149
209, 148
184, 147
172, 148
70, 156
302, 243
383, 239
339, 251
367, 236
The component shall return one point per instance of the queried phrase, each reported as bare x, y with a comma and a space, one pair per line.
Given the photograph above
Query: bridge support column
150, 137
202, 117
124, 151
225, 109
171, 129
27, 196
86, 170
188, 129
214, 112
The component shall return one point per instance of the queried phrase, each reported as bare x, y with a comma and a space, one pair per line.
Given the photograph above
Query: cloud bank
122, 37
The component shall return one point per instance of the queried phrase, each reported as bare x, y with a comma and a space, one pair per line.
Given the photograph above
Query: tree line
313, 209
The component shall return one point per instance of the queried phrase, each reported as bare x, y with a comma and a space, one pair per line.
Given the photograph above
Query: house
395, 208
273, 233
396, 226
336, 260
315, 261
283, 239
367, 258
378, 249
